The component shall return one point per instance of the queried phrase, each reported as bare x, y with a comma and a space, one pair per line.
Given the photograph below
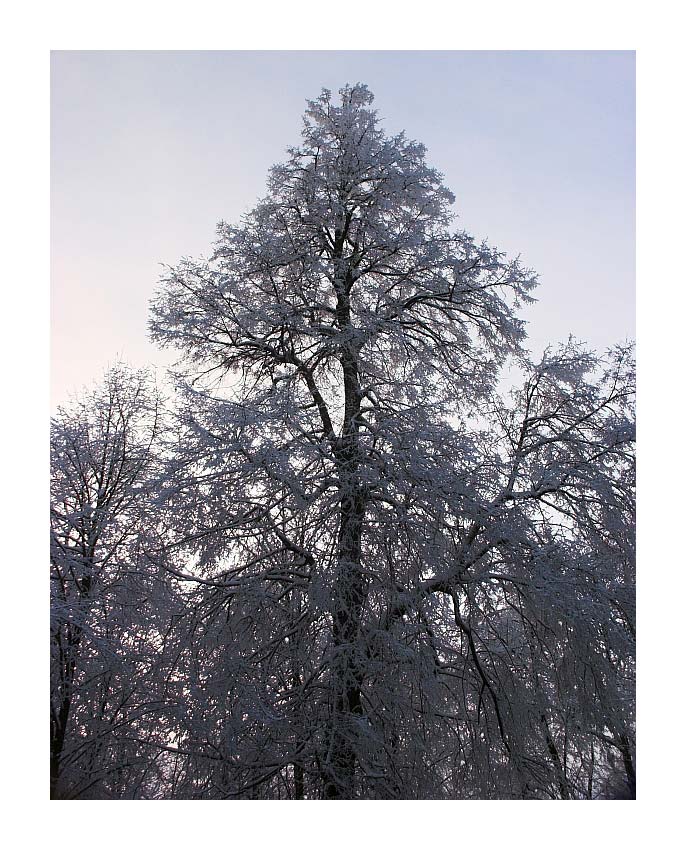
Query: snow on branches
398, 583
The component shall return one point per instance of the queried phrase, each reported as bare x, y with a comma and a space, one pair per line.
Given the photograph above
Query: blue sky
150, 149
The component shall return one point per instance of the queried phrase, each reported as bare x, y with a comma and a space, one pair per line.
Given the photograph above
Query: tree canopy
377, 574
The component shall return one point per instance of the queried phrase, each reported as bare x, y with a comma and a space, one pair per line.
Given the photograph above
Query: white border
31, 30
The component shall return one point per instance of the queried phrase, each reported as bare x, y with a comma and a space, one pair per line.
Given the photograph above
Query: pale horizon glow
149, 150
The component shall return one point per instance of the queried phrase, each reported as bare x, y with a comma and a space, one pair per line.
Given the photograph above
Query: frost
369, 576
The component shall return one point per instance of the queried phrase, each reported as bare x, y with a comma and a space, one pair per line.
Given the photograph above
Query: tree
109, 610
405, 585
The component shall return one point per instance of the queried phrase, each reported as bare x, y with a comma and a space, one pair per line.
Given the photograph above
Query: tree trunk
555, 756
58, 728
350, 586
629, 768
60, 718
347, 674
72, 638
298, 782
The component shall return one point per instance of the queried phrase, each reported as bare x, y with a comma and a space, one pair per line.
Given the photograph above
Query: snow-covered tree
109, 608
403, 585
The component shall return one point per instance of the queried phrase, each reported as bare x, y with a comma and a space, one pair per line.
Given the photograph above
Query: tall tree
406, 586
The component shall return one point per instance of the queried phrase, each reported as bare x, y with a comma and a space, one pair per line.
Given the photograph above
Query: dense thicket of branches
347, 567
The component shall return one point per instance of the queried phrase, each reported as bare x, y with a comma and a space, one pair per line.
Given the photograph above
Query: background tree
405, 585
109, 609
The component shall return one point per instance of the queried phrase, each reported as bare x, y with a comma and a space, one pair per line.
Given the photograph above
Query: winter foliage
341, 564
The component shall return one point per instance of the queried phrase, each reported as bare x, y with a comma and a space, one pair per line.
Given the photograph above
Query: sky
150, 149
